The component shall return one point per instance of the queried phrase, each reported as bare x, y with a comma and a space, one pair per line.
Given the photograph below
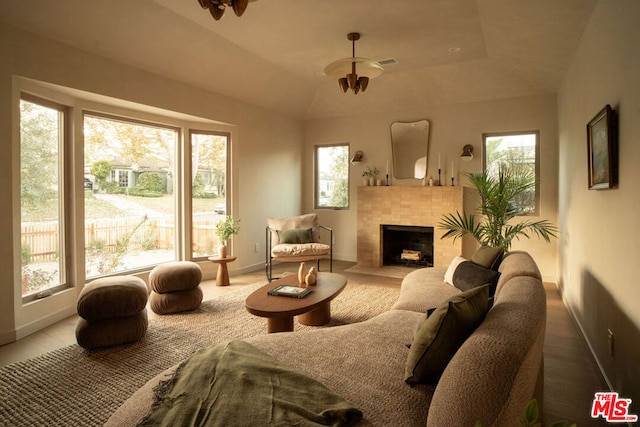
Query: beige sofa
491, 378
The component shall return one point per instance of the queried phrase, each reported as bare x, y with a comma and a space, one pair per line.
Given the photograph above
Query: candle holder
439, 179
452, 182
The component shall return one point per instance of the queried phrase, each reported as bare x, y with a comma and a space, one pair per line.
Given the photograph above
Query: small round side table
222, 279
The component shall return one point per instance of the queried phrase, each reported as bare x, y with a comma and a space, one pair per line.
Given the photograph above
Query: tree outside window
332, 176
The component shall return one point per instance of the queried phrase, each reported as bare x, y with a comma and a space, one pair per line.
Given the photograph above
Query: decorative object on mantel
224, 230
345, 69
217, 7
495, 227
467, 153
357, 158
371, 175
602, 145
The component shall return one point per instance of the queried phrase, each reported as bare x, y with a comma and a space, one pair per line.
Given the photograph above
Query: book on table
290, 291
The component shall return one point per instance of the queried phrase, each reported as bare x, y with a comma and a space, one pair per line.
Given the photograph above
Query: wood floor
571, 375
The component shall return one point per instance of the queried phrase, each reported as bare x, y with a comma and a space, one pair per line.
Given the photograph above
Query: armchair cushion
301, 221
296, 235
300, 250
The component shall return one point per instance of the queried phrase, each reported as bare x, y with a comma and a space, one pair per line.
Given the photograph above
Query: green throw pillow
295, 235
469, 275
440, 335
488, 257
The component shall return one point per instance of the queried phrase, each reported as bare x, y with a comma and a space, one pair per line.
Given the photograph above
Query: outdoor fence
41, 240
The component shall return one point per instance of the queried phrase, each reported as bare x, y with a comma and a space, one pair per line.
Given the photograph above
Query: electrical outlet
610, 341
257, 247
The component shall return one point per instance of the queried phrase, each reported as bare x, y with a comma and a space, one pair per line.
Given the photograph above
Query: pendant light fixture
217, 7
346, 70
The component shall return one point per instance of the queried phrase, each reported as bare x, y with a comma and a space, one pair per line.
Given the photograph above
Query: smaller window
332, 176
518, 152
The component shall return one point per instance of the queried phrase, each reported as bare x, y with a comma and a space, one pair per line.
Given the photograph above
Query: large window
209, 203
519, 153
130, 219
42, 189
332, 176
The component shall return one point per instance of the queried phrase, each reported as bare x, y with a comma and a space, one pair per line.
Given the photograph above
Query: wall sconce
467, 153
357, 157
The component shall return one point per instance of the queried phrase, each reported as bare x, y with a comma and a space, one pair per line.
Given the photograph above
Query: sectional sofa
490, 378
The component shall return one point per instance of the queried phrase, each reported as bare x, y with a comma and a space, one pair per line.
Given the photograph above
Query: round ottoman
112, 311
175, 287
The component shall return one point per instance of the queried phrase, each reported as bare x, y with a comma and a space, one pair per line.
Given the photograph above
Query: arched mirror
410, 144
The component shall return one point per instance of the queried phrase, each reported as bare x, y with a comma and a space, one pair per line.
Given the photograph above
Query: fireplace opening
407, 245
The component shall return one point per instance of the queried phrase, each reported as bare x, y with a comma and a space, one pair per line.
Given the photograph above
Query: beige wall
601, 240
266, 155
452, 126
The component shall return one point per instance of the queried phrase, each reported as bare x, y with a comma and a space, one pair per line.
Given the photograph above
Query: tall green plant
495, 226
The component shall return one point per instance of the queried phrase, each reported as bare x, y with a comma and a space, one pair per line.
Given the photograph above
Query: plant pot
365, 182
372, 181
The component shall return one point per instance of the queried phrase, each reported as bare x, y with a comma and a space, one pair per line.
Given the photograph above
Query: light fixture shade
239, 6
364, 66
467, 153
344, 85
364, 82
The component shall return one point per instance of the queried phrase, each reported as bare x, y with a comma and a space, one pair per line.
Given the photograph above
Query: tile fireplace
403, 207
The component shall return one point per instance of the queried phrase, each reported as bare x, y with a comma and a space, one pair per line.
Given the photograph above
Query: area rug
75, 387
397, 271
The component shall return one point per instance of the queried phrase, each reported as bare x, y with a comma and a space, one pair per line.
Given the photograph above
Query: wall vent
388, 61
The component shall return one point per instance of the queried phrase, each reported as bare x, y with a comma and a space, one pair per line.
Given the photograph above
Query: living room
274, 139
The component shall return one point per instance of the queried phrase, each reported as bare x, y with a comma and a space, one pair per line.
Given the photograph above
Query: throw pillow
440, 335
488, 257
448, 275
296, 236
469, 275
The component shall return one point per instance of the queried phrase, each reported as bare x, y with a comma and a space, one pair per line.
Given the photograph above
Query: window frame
64, 204
487, 135
189, 188
316, 170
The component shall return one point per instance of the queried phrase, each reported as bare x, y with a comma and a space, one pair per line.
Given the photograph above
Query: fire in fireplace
407, 245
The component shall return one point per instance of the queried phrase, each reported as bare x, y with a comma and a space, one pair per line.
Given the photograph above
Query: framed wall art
602, 147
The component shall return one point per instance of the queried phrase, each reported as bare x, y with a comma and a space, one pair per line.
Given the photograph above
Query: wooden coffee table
312, 310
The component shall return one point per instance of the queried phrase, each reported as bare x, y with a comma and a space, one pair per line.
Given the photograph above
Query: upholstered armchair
297, 239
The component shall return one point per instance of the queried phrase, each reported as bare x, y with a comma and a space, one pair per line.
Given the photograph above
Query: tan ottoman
175, 287
112, 311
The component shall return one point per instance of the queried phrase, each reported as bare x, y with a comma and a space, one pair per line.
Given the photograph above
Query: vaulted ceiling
447, 51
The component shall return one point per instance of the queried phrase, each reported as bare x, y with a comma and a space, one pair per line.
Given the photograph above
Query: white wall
266, 156
601, 240
452, 126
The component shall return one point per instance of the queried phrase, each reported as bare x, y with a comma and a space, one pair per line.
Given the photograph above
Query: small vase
302, 273
372, 181
222, 251
365, 182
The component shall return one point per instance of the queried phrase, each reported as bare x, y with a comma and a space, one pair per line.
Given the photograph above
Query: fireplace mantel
416, 206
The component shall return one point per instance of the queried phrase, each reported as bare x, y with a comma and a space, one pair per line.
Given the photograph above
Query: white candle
387, 167
451, 168
439, 161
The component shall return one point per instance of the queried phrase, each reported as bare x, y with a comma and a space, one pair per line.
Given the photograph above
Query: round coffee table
312, 310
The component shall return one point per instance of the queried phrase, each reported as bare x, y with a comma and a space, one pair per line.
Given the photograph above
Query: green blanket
236, 384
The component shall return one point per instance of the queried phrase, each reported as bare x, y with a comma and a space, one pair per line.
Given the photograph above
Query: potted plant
224, 230
497, 209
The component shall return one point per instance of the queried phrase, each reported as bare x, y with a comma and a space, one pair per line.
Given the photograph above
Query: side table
222, 279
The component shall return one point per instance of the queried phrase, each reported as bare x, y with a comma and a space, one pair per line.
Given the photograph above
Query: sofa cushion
295, 235
469, 275
488, 257
448, 275
424, 289
437, 337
